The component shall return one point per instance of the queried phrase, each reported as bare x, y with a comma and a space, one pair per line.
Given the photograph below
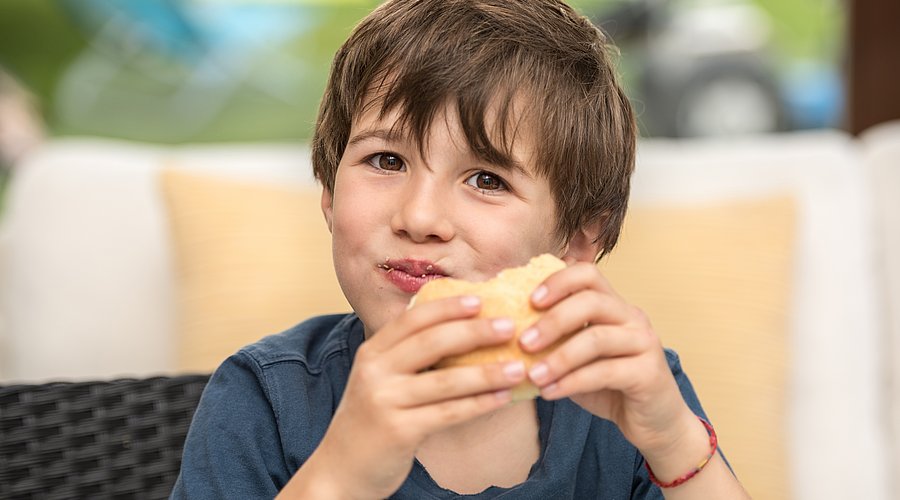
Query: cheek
513, 237
351, 210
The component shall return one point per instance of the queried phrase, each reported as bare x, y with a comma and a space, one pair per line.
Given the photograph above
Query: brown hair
418, 55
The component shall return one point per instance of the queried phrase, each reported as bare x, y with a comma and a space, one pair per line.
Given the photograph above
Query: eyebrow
390, 135
386, 135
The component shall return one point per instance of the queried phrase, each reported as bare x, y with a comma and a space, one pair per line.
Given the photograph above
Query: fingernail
504, 396
470, 301
539, 294
514, 370
503, 325
539, 373
529, 337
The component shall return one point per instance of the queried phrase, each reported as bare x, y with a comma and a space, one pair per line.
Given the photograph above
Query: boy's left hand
613, 366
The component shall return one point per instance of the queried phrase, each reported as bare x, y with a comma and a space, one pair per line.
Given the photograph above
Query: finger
572, 314
565, 282
422, 316
616, 374
423, 350
439, 416
586, 346
453, 383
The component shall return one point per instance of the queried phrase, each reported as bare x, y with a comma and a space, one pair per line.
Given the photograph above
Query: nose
423, 214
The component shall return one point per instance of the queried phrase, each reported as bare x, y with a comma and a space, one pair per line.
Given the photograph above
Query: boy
457, 138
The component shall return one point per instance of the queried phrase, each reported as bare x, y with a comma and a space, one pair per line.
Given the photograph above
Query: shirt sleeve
233, 449
643, 488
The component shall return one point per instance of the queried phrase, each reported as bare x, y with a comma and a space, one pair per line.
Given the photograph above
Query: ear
581, 247
327, 206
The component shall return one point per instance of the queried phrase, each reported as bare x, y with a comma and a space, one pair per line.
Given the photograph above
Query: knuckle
647, 339
562, 357
643, 344
492, 375
442, 382
363, 354
596, 301
450, 412
596, 336
436, 339
600, 302
647, 374
592, 272
565, 384
640, 315
606, 371
550, 321
401, 433
379, 397
482, 403
610, 301
365, 376
482, 331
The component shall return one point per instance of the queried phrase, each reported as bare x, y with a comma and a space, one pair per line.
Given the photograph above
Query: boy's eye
486, 181
387, 161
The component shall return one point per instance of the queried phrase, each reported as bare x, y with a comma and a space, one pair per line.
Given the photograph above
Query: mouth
409, 275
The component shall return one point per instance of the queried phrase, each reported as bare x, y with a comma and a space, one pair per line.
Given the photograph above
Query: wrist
688, 449
315, 479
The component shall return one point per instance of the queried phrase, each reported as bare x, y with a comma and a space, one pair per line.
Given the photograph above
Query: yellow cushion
715, 281
252, 259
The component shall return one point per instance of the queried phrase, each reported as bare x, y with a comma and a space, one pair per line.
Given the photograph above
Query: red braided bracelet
713, 445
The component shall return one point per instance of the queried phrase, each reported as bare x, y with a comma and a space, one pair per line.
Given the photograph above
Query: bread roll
506, 295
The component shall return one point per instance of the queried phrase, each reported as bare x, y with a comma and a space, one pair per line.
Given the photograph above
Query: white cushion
87, 278
85, 264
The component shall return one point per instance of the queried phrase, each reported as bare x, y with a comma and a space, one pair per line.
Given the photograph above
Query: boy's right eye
387, 161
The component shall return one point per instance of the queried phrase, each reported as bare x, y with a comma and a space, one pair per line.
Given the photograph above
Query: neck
497, 449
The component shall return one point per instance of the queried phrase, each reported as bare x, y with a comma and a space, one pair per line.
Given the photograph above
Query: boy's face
399, 219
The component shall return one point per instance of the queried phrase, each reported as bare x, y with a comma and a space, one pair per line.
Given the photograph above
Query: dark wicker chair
115, 439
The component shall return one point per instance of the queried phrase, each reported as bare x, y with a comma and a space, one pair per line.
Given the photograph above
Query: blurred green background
248, 70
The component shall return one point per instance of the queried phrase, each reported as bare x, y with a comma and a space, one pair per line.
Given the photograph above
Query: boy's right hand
393, 402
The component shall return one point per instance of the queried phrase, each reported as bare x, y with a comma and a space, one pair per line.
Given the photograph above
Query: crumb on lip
388, 268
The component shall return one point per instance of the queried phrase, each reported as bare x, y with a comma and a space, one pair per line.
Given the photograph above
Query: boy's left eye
486, 181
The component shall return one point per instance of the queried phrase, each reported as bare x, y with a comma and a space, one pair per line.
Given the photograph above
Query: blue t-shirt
266, 409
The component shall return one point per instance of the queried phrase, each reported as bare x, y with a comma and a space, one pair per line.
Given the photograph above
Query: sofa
770, 263
119, 438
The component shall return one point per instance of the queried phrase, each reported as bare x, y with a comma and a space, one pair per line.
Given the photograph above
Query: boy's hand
613, 366
392, 403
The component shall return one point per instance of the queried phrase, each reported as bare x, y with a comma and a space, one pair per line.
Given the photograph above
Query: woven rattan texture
115, 439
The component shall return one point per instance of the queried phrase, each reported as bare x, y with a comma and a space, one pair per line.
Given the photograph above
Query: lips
410, 275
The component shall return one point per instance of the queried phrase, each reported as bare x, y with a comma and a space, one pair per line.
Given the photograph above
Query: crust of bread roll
506, 295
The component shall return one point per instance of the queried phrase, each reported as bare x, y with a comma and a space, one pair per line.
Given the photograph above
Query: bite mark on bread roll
506, 295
